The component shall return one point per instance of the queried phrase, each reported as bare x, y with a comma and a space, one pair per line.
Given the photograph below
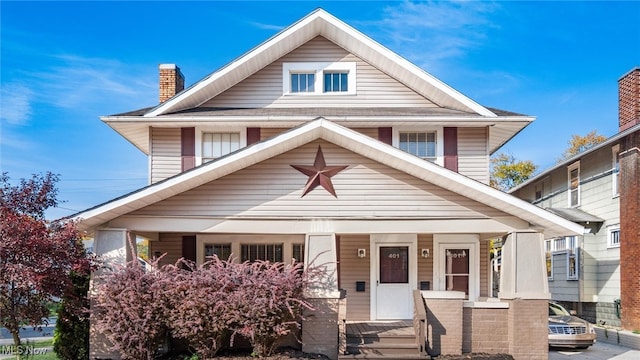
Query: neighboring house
321, 143
595, 188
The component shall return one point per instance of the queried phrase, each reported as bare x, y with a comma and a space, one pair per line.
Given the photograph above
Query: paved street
599, 351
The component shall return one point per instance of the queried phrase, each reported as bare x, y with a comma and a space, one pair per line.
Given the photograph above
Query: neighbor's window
615, 175
548, 247
613, 237
217, 144
336, 81
421, 144
222, 251
267, 252
303, 82
572, 257
574, 184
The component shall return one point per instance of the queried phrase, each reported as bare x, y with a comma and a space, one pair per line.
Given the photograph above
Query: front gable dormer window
314, 78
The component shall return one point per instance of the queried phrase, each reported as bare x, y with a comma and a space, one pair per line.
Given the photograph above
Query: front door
393, 290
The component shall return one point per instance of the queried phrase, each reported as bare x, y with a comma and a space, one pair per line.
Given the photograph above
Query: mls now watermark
22, 350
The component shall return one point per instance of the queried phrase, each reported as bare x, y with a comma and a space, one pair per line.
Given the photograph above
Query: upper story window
218, 144
336, 81
574, 184
303, 82
615, 172
312, 78
613, 236
421, 144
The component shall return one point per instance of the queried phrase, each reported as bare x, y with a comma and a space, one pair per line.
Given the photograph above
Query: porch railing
342, 323
420, 321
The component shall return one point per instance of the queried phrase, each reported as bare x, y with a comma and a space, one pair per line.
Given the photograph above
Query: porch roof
539, 219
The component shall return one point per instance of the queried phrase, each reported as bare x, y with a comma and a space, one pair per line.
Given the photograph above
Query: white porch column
112, 246
320, 327
523, 273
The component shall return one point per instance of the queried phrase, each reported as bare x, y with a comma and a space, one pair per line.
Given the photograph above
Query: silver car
566, 330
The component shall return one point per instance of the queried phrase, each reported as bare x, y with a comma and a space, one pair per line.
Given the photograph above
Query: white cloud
264, 26
431, 33
77, 81
16, 103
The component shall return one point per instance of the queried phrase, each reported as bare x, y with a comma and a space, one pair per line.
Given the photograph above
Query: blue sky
64, 64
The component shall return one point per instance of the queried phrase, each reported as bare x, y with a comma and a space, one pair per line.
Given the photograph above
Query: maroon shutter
189, 247
188, 141
451, 148
253, 135
385, 135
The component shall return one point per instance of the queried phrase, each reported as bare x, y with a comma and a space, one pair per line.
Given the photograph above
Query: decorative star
319, 174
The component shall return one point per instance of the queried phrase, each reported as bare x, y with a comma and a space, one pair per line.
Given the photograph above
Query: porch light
425, 253
362, 253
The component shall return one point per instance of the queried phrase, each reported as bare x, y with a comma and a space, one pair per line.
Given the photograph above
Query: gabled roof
551, 224
610, 141
321, 23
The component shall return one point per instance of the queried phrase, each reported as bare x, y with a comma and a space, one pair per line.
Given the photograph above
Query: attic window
313, 78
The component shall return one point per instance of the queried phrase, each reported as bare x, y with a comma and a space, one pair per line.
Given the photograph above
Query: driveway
598, 351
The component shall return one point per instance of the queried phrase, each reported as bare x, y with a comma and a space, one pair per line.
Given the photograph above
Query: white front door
393, 288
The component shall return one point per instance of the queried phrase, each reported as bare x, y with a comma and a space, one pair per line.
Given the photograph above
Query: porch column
523, 284
112, 246
320, 327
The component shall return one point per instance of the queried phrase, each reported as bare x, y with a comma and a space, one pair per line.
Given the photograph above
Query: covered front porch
440, 283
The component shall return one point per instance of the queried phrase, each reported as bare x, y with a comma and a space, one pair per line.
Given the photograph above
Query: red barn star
319, 174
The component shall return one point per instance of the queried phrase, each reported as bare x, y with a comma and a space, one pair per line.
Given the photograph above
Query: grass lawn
43, 350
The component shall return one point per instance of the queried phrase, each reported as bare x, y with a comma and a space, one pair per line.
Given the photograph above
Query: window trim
319, 69
439, 130
201, 130
610, 230
570, 168
441, 242
237, 240
615, 170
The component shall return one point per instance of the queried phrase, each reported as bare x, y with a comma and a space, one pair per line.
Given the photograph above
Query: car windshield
557, 310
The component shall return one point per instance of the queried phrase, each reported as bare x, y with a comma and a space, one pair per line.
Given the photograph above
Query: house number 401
394, 256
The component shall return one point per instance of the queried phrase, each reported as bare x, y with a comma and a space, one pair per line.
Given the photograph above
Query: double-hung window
421, 144
572, 247
314, 78
218, 144
574, 184
613, 236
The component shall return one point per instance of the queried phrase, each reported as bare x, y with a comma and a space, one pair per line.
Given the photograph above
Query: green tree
507, 172
578, 144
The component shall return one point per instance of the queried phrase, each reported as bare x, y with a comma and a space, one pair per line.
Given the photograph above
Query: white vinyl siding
166, 159
265, 88
352, 269
366, 188
473, 157
615, 170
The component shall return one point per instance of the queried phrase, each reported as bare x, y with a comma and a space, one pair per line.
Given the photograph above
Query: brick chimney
629, 115
629, 99
171, 81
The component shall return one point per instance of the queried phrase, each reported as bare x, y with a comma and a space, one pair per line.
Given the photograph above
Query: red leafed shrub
128, 311
203, 304
197, 303
267, 302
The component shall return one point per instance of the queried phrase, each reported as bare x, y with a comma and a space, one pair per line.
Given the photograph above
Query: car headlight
592, 330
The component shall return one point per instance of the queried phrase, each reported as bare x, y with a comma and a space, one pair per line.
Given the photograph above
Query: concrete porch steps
381, 340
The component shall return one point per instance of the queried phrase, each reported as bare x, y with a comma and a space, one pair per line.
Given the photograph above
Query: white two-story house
320, 142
